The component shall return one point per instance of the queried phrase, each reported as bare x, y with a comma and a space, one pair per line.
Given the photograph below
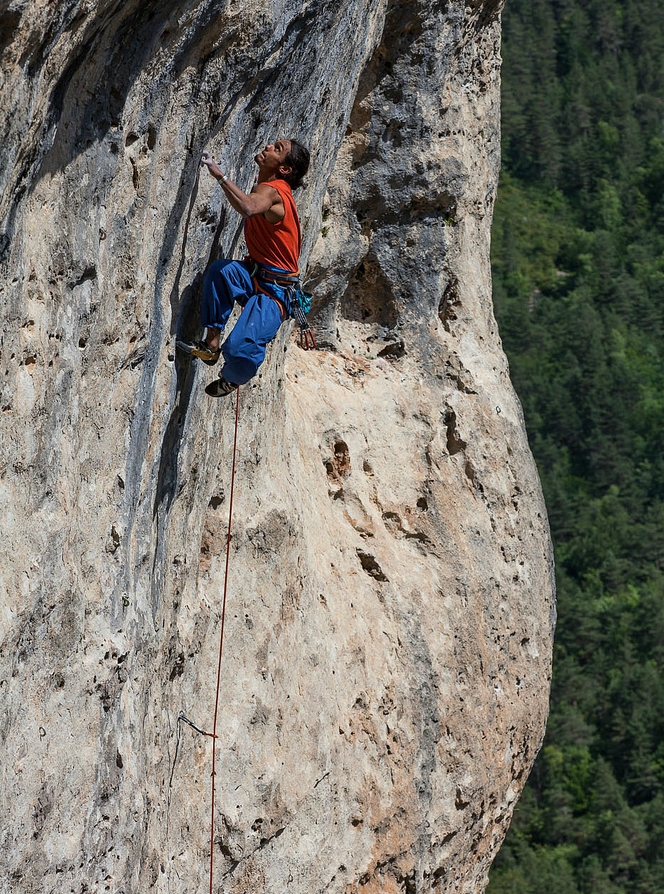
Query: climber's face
273, 157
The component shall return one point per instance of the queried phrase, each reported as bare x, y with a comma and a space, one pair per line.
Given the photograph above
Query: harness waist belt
275, 275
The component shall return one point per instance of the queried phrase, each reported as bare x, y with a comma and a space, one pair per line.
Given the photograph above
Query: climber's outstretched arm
263, 199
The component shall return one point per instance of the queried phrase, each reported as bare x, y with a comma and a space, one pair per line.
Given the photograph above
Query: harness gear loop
299, 301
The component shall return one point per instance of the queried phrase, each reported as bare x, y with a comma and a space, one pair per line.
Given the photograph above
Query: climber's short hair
298, 160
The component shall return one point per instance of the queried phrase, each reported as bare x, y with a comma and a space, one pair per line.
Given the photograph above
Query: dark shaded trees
578, 255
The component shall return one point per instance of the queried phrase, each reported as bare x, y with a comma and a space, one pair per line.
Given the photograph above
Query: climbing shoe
220, 388
200, 350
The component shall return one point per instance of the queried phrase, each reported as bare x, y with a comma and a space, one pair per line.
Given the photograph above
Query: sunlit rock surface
390, 603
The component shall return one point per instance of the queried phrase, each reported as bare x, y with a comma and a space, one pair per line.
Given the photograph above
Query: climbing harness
182, 717
298, 299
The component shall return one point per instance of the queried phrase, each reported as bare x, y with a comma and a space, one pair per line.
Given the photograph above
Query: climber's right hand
211, 165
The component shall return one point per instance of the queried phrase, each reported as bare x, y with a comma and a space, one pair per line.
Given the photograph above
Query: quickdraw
307, 337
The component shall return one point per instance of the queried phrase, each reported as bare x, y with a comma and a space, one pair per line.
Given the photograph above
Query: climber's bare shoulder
268, 202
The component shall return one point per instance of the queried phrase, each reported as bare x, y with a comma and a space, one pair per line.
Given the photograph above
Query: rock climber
265, 282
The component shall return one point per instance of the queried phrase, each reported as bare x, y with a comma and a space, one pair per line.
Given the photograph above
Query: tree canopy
578, 266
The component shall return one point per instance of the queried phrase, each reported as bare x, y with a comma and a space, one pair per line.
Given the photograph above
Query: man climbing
264, 283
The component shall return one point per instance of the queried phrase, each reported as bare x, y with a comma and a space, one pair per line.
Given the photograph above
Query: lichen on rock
388, 635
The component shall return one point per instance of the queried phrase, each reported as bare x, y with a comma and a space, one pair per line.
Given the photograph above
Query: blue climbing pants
243, 351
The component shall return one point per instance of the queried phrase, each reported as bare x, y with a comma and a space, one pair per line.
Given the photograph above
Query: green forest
578, 267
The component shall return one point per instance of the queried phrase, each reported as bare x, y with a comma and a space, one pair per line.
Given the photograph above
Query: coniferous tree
578, 257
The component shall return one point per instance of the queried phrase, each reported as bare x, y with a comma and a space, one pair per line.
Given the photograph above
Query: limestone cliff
388, 637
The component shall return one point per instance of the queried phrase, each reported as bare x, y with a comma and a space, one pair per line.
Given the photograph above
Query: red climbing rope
221, 635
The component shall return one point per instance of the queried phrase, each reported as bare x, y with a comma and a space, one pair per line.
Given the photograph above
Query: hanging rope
221, 637
182, 718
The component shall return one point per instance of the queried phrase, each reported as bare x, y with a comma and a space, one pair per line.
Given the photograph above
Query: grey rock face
390, 606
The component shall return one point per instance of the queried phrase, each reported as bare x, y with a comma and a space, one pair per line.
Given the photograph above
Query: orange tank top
276, 244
